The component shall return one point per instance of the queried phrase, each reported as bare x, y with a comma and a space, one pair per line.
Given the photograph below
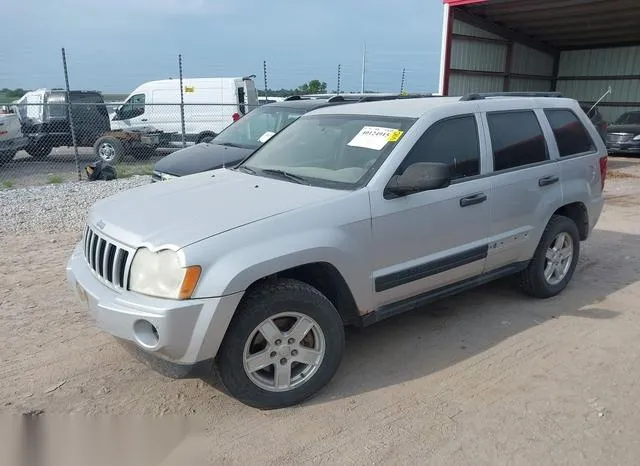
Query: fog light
146, 334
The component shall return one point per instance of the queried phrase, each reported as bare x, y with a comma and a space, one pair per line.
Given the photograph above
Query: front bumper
631, 147
181, 332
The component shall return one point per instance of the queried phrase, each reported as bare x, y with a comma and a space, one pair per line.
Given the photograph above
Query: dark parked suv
243, 137
52, 128
623, 136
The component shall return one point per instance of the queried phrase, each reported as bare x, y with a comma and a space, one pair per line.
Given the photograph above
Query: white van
211, 104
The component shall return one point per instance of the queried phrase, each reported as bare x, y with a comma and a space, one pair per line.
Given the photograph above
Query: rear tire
267, 360
109, 149
39, 150
555, 259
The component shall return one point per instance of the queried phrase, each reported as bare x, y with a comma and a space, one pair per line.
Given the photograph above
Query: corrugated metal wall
613, 64
481, 65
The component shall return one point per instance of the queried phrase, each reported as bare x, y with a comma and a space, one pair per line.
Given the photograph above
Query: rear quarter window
517, 139
570, 134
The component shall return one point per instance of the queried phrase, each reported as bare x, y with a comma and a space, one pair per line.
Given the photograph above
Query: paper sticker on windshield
395, 136
372, 137
266, 136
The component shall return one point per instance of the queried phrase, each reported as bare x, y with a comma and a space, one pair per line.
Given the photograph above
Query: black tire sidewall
117, 145
277, 297
39, 150
559, 224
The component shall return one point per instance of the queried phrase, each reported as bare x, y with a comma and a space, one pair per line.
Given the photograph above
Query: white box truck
151, 117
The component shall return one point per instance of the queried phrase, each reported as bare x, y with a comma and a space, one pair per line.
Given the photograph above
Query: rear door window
571, 135
517, 139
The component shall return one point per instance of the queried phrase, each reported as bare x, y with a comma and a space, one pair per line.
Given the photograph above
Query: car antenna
600, 100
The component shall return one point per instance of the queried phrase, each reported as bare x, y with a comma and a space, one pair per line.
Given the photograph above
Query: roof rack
374, 97
484, 95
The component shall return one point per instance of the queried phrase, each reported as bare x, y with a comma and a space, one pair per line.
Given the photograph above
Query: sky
115, 45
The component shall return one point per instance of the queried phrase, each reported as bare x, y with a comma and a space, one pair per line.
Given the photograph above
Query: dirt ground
488, 377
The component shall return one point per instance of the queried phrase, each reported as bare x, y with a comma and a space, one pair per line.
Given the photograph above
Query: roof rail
375, 98
484, 95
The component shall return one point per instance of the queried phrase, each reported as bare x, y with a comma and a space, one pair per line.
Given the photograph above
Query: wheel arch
324, 277
577, 212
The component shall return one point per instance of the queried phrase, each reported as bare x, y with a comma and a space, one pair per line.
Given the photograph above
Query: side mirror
418, 177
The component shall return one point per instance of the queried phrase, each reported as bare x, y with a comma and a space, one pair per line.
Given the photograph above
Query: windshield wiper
229, 144
246, 169
284, 174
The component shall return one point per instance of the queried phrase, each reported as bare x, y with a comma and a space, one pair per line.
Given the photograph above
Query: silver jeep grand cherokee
350, 215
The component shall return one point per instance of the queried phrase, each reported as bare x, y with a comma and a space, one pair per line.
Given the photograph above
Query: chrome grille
619, 137
110, 262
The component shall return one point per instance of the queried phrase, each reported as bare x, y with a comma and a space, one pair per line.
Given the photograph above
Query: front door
132, 114
431, 239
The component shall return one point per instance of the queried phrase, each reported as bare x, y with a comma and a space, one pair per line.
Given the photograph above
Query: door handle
144, 119
547, 180
473, 199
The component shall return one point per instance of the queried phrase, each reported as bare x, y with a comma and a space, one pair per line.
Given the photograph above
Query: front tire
555, 259
284, 344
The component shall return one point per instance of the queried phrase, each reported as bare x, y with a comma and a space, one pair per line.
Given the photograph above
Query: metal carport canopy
561, 24
577, 47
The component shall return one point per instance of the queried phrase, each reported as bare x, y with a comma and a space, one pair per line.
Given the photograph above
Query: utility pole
402, 82
338, 91
364, 66
264, 69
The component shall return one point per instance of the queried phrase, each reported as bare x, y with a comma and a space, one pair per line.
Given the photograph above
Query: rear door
526, 184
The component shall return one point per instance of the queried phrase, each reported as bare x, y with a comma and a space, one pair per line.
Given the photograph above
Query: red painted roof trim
462, 2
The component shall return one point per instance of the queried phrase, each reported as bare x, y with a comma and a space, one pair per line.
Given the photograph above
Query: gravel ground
59, 207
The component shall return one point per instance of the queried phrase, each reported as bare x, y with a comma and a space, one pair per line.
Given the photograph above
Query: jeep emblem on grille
100, 224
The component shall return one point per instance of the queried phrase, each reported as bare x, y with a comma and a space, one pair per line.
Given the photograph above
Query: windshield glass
631, 118
258, 126
341, 151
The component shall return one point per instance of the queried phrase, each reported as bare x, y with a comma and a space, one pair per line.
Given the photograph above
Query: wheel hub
558, 258
284, 351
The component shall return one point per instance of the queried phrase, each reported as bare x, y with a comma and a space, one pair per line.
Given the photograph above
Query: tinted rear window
571, 136
517, 139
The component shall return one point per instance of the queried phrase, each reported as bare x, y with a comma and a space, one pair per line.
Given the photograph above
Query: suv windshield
258, 126
341, 151
631, 118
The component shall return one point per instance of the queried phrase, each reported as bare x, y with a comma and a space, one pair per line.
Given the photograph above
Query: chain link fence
52, 141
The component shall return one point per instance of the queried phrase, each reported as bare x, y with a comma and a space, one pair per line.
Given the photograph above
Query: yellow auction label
189, 89
395, 135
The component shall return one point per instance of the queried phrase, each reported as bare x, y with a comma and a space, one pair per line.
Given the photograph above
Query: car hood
182, 211
199, 158
633, 129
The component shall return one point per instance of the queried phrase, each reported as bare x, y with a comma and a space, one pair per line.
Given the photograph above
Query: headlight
637, 137
160, 274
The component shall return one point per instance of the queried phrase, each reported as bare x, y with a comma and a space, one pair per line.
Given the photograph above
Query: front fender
344, 248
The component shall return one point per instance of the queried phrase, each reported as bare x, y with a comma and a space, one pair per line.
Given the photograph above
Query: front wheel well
577, 212
325, 278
